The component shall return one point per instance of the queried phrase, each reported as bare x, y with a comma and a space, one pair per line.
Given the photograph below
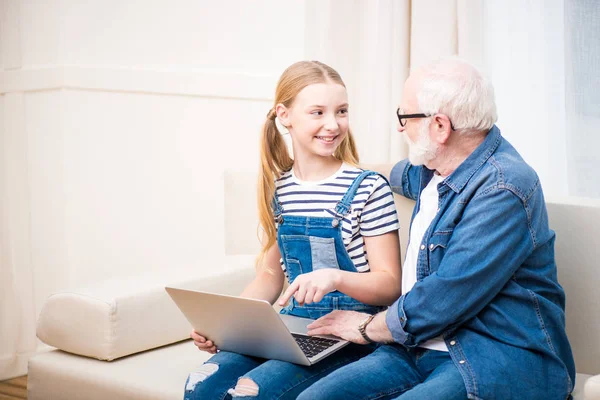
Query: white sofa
134, 324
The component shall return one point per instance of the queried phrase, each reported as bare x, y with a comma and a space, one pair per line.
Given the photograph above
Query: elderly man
482, 314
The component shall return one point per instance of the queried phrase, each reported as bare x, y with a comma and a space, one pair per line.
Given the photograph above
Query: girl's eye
343, 111
317, 112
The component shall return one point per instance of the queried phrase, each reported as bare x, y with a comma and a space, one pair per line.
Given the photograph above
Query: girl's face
318, 119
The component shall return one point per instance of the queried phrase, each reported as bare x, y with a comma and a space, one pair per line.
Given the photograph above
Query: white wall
125, 156
118, 120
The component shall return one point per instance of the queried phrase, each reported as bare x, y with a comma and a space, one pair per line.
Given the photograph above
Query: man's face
416, 130
423, 150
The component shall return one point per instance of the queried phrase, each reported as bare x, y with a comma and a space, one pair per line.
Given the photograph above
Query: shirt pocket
438, 243
323, 253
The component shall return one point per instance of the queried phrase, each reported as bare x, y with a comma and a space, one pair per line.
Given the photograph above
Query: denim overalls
312, 243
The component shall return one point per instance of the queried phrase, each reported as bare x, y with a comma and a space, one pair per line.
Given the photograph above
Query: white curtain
17, 310
367, 42
582, 80
375, 43
543, 57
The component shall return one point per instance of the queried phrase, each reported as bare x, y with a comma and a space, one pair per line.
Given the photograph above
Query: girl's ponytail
274, 160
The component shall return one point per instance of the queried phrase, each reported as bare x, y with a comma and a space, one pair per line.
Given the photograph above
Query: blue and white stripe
373, 211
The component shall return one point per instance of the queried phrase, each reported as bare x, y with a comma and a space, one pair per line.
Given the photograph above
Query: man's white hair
457, 89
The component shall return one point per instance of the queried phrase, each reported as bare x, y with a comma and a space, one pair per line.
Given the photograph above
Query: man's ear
283, 114
442, 128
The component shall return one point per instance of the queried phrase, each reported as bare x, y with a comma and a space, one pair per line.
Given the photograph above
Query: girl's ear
283, 114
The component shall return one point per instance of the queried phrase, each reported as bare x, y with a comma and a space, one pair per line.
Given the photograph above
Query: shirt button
452, 343
461, 362
422, 247
431, 246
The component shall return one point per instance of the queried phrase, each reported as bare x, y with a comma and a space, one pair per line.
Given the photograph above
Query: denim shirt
487, 279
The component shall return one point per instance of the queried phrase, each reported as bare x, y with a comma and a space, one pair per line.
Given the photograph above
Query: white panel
2, 37
252, 36
8, 301
16, 292
190, 83
40, 32
434, 27
9, 34
144, 179
2, 82
470, 31
51, 269
28, 80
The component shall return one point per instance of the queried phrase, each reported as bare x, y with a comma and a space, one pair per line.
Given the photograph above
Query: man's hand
312, 287
343, 324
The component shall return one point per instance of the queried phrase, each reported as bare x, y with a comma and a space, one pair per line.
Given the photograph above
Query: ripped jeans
217, 377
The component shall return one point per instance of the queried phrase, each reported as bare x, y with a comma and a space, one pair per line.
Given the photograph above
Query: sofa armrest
591, 390
121, 317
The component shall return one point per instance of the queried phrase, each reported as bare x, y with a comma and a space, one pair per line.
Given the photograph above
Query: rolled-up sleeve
395, 320
405, 179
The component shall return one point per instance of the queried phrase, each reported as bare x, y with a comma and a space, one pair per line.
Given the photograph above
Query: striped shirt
373, 210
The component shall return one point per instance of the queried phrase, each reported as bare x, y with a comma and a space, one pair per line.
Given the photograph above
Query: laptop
252, 327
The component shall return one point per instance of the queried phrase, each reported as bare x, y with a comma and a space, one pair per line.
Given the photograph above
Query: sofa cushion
159, 374
591, 387
121, 317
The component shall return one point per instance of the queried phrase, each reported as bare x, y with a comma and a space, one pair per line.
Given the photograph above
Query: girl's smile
327, 140
318, 120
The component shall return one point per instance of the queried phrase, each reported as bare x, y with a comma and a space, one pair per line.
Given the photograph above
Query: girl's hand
203, 343
312, 287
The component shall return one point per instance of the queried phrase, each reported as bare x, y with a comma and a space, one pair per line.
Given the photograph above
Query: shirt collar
459, 178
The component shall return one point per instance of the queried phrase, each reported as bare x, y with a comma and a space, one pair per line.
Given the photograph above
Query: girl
328, 226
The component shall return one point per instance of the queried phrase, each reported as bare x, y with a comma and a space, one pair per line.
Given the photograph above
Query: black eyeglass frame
420, 115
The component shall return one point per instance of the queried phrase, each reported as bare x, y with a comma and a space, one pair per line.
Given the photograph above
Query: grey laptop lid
247, 326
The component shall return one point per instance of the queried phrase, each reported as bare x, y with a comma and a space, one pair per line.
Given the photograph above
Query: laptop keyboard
311, 346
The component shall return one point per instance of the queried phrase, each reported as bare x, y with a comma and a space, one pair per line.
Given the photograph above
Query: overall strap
344, 205
276, 206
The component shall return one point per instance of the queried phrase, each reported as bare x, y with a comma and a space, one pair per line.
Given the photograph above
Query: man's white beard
424, 149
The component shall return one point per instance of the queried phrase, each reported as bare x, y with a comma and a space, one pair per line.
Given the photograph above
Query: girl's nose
331, 124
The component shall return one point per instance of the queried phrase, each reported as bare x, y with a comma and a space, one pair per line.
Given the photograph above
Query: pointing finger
285, 297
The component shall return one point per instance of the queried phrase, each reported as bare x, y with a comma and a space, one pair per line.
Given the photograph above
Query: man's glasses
403, 117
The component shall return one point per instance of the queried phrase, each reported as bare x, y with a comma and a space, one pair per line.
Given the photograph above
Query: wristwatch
362, 328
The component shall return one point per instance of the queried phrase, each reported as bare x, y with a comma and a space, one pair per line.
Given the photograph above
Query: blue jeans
275, 379
393, 372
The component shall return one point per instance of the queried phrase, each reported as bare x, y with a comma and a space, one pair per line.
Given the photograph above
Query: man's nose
400, 128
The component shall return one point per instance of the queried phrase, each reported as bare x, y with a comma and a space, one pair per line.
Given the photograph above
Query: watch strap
362, 328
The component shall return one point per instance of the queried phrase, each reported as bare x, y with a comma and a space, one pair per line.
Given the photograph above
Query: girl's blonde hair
274, 156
